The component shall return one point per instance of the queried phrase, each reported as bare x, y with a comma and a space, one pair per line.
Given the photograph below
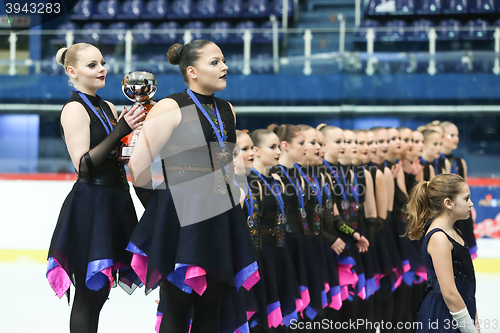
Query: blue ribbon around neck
277, 194
314, 186
202, 109
454, 168
297, 187
355, 179
105, 124
436, 161
328, 165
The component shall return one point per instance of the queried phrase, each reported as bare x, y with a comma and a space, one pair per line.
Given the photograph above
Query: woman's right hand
134, 117
338, 246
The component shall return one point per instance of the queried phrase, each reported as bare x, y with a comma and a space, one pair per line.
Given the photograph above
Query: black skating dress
96, 220
299, 241
318, 206
434, 315
282, 294
412, 261
193, 225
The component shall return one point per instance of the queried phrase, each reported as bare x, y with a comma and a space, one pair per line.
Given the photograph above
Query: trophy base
125, 153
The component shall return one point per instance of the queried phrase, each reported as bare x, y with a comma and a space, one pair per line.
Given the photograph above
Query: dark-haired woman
192, 239
97, 217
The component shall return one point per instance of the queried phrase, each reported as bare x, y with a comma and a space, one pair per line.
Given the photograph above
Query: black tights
176, 316
87, 306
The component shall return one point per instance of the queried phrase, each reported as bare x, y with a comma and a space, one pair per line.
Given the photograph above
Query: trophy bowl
139, 86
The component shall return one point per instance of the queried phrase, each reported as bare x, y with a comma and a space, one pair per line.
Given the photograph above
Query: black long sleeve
144, 193
342, 227
97, 155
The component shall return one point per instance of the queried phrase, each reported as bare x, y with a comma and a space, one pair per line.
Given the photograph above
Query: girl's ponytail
427, 200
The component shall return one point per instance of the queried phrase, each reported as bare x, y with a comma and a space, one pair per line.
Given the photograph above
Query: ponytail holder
63, 56
428, 183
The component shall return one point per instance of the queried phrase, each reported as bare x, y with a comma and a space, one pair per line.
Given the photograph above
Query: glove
97, 155
464, 321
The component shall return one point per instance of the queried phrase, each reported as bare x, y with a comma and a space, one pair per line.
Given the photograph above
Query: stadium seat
482, 6
230, 8
62, 30
220, 32
267, 35
107, 10
117, 35
131, 10
91, 33
371, 8
195, 28
395, 31
156, 9
234, 63
476, 30
205, 9
49, 66
257, 8
83, 10
142, 32
363, 29
405, 7
262, 64
448, 30
158, 64
429, 7
483, 66
451, 66
113, 65
277, 8
168, 34
421, 28
455, 7
241, 27
181, 9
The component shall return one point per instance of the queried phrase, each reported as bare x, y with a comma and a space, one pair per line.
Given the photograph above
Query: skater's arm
160, 122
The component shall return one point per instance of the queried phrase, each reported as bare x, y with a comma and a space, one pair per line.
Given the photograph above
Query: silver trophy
139, 87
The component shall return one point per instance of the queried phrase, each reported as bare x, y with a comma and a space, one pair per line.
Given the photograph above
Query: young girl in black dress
97, 217
192, 238
449, 303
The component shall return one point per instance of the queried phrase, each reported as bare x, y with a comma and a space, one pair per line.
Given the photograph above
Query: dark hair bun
174, 54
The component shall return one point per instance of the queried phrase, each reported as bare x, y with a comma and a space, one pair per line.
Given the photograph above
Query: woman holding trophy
192, 239
97, 217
